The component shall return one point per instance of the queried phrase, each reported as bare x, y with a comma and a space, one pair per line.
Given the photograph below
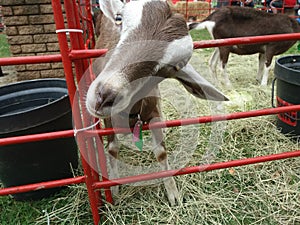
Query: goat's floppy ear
197, 85
111, 8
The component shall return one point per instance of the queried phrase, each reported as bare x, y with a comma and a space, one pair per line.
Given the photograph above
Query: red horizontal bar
246, 40
30, 59
36, 137
164, 124
74, 54
42, 185
230, 116
199, 120
83, 54
195, 169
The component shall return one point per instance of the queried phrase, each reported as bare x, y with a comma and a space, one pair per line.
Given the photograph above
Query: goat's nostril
99, 98
103, 100
99, 101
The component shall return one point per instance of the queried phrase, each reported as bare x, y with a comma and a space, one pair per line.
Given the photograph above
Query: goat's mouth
96, 108
106, 108
101, 114
100, 101
92, 110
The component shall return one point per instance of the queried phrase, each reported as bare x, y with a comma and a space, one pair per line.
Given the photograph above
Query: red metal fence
76, 60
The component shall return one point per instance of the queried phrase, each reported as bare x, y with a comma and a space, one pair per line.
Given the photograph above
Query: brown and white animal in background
231, 22
148, 43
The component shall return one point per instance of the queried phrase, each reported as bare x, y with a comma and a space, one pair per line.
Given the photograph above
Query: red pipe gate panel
75, 57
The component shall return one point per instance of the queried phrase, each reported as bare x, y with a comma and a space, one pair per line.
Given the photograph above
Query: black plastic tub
287, 76
32, 107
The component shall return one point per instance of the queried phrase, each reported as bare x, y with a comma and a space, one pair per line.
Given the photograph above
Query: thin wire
67, 31
85, 128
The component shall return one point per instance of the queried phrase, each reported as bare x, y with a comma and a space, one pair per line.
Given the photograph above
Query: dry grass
267, 193
199, 10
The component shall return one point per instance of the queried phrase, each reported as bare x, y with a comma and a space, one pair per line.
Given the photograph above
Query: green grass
293, 50
13, 212
32, 212
199, 35
266, 193
4, 47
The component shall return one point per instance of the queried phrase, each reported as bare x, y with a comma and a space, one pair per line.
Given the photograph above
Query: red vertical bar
90, 28
186, 10
81, 66
64, 49
76, 39
101, 154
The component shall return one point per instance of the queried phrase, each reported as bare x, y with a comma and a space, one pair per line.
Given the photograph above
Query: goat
231, 22
148, 43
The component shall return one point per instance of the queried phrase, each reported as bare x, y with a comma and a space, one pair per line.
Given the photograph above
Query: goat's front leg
261, 66
213, 62
225, 75
264, 80
224, 55
161, 156
267, 67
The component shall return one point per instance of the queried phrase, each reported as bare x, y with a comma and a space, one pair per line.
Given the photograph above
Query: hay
198, 10
69, 208
266, 193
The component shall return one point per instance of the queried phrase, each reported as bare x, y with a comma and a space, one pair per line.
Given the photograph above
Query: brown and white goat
148, 43
231, 22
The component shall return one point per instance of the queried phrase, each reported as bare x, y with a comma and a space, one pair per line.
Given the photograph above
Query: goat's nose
108, 99
99, 101
105, 99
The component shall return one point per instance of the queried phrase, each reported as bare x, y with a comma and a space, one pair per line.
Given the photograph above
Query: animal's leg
224, 55
264, 79
261, 66
113, 151
267, 67
225, 75
213, 62
161, 156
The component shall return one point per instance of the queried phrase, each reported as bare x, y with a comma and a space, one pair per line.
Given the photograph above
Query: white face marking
132, 16
115, 80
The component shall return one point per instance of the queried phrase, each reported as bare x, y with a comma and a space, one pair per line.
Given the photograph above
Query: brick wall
30, 30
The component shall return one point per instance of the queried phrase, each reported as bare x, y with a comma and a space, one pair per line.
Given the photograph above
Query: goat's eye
118, 19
